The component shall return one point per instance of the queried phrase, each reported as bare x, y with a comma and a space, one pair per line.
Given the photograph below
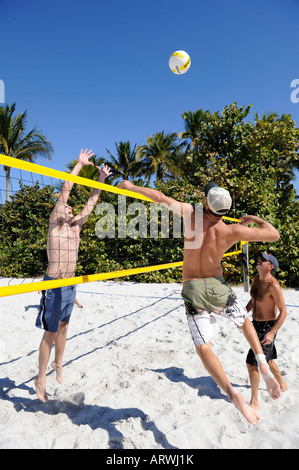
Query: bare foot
58, 370
271, 383
283, 385
247, 411
40, 389
255, 404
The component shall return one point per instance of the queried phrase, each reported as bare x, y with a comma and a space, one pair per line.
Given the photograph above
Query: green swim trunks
209, 294
206, 297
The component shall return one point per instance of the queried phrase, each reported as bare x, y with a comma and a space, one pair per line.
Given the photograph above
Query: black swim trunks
262, 327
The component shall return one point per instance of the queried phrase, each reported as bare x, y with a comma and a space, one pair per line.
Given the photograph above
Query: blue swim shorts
56, 305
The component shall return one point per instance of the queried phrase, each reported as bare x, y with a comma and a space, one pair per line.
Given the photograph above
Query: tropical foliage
16, 143
254, 159
124, 164
161, 156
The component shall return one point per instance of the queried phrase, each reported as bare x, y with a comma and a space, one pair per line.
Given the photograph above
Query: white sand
132, 379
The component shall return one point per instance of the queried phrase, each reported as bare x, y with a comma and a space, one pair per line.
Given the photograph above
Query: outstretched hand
84, 157
246, 219
104, 172
125, 184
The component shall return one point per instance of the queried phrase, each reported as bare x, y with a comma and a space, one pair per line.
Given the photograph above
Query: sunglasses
263, 260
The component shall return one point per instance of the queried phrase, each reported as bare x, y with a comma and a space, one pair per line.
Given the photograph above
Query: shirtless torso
216, 237
263, 303
62, 248
64, 228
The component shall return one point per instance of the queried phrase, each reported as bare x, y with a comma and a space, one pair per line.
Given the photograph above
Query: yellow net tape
42, 170
235, 252
43, 285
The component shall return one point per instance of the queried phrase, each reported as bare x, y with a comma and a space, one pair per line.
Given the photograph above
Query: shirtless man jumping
266, 297
62, 250
205, 291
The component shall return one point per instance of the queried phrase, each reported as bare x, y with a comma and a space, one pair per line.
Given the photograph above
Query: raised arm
156, 196
59, 208
81, 218
264, 232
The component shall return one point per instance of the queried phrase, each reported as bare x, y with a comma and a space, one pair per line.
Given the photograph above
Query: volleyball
179, 62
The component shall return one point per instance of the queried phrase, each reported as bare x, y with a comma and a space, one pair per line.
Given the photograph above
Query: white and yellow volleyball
179, 62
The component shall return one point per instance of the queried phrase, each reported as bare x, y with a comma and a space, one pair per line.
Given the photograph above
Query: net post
245, 261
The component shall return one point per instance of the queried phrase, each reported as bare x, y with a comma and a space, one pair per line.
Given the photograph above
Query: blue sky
94, 72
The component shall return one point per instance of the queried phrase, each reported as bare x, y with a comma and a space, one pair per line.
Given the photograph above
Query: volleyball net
23, 237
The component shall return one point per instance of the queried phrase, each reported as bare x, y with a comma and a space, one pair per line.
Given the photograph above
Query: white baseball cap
219, 200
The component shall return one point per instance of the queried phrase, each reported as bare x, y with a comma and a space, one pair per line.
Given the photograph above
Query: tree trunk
261, 166
7, 171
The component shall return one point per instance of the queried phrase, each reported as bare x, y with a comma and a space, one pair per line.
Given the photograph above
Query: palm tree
16, 143
192, 123
125, 164
266, 117
161, 156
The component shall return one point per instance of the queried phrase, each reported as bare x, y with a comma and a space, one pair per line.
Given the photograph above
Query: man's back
205, 261
216, 238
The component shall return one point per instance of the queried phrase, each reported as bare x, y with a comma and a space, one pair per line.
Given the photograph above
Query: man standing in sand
266, 297
62, 250
205, 292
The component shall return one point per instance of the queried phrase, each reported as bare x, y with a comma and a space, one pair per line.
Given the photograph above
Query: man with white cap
205, 291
